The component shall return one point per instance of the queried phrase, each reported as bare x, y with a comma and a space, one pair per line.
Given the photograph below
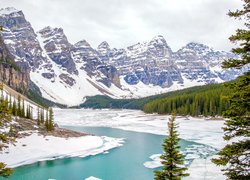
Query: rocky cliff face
20, 39
10, 74
150, 63
58, 48
88, 60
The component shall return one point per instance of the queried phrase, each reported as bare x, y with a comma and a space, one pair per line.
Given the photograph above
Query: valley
128, 90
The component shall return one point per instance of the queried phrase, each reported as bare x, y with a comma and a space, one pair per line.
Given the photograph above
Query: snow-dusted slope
66, 73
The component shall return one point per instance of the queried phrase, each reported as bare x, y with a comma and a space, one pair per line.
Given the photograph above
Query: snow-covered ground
205, 131
36, 147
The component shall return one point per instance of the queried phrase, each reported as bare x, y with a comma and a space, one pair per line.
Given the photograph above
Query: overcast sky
125, 22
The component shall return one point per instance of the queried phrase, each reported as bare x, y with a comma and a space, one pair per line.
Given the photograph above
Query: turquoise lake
122, 163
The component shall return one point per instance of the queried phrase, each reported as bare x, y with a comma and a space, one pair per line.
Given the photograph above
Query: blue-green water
122, 163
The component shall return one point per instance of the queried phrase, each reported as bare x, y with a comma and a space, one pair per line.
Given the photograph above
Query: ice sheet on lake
199, 130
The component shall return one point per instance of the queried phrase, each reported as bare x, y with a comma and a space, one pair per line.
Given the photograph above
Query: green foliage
51, 119
22, 109
172, 159
5, 112
49, 124
10, 102
235, 157
38, 117
238, 112
99, 102
14, 108
19, 108
47, 120
42, 115
206, 100
242, 36
107, 102
4, 171
3, 138
28, 112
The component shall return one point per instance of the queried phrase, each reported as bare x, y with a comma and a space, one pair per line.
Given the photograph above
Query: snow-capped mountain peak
57, 34
8, 11
103, 48
82, 44
198, 47
104, 45
60, 68
159, 39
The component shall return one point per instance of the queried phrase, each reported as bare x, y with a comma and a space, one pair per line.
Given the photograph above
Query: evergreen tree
19, 111
47, 115
42, 115
31, 112
172, 159
47, 120
10, 102
14, 108
27, 112
235, 156
38, 117
4, 171
51, 117
47, 124
5, 112
23, 109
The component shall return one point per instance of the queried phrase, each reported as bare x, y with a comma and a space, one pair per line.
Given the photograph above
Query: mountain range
66, 73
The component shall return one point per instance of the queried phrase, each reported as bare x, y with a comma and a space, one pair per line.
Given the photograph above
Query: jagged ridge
60, 68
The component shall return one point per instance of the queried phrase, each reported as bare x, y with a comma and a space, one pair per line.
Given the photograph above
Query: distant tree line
207, 101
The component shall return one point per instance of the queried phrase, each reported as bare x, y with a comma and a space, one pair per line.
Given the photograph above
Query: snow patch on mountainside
59, 92
142, 90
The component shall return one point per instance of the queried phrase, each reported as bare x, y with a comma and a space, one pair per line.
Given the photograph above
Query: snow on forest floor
200, 130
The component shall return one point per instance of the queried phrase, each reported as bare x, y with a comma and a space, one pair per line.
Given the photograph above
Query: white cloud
123, 23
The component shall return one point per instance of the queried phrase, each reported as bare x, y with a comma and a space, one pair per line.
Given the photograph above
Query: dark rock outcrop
10, 74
